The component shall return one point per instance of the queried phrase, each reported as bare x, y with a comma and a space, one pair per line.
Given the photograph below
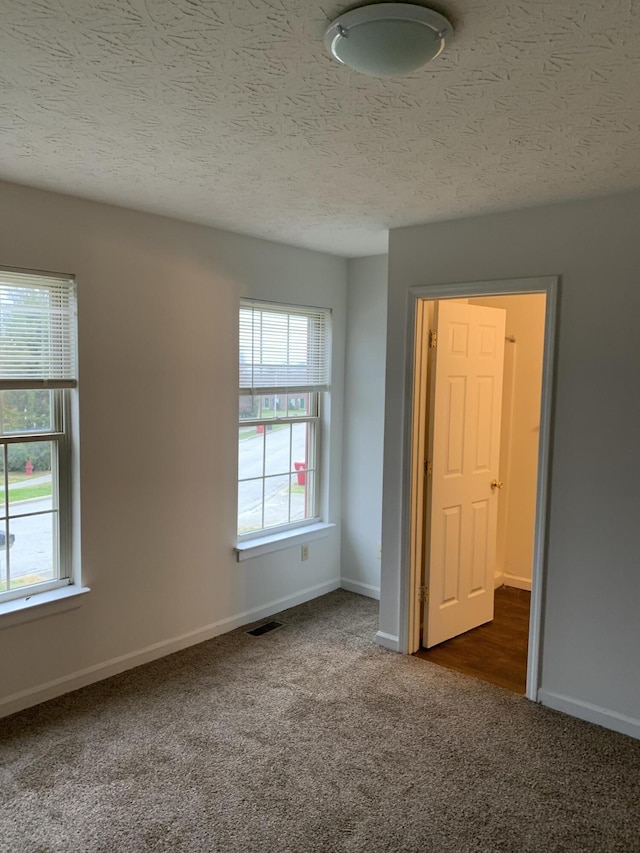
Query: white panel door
464, 451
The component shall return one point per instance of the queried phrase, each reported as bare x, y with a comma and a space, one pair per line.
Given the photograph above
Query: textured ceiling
229, 113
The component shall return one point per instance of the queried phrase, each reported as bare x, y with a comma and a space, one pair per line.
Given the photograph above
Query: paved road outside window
32, 551
284, 446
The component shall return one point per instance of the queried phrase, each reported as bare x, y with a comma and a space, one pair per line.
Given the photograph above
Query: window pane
263, 406
248, 407
250, 506
298, 489
29, 475
25, 411
301, 405
250, 452
278, 450
299, 446
276, 500
271, 407
32, 553
5, 544
292, 404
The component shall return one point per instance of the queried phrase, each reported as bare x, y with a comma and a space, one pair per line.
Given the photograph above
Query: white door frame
409, 576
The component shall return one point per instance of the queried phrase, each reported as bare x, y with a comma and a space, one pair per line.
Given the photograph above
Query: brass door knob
497, 484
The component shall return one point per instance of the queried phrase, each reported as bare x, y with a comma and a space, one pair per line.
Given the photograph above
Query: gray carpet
310, 738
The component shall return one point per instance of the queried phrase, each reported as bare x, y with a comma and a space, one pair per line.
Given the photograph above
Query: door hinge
428, 467
424, 593
433, 339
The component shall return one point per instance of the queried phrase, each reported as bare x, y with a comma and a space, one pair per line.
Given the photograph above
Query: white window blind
38, 345
283, 347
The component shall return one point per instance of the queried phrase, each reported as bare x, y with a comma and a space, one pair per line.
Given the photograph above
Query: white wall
519, 434
591, 629
364, 425
158, 328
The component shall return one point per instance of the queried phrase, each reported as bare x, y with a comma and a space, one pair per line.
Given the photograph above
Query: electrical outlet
304, 552
379, 550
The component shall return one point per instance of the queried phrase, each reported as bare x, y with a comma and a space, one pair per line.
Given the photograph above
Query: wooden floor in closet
495, 652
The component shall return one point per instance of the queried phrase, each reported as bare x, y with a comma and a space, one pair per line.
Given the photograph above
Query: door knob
497, 484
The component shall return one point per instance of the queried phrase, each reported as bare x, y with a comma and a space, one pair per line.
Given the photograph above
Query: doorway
495, 652
500, 643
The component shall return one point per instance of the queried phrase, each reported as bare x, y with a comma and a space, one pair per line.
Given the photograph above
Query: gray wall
364, 425
591, 631
158, 344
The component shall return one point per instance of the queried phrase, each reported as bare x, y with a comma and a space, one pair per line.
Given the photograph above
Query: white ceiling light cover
387, 39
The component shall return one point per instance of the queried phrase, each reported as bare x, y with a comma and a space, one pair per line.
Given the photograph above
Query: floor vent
264, 629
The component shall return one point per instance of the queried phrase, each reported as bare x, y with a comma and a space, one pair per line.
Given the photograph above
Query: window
284, 370
37, 375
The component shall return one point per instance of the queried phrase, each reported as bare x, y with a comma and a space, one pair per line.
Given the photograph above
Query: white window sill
41, 604
279, 541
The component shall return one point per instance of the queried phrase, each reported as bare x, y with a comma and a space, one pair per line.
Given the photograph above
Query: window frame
316, 395
61, 437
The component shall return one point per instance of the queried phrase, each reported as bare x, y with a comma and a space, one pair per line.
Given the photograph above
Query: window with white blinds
283, 347
38, 374
285, 365
37, 331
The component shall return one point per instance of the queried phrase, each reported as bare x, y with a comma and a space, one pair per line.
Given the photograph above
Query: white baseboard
514, 581
82, 678
388, 641
361, 588
592, 713
498, 580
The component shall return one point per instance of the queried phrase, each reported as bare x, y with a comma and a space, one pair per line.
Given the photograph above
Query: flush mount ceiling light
387, 39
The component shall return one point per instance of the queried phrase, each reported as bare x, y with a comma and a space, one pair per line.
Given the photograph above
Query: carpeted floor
310, 738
